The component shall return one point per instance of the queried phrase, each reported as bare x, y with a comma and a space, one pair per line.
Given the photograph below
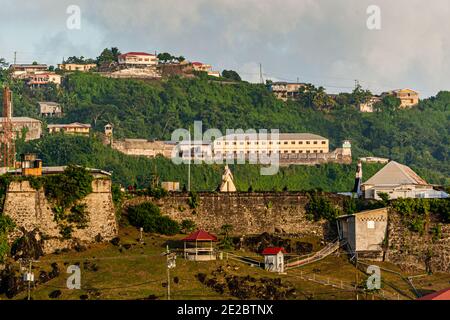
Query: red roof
439, 295
136, 54
272, 251
200, 235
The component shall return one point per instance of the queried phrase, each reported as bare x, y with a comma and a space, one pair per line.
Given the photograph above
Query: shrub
320, 207
194, 200
6, 225
148, 216
187, 226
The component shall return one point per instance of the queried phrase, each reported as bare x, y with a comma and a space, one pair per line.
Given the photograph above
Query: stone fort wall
248, 213
30, 209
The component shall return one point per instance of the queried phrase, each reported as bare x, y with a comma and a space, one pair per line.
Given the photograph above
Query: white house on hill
399, 181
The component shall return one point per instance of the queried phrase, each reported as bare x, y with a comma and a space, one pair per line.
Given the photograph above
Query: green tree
231, 75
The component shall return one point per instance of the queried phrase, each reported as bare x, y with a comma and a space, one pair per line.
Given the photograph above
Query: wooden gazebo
198, 246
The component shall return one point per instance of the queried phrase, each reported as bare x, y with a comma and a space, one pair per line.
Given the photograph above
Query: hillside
129, 170
132, 270
138, 109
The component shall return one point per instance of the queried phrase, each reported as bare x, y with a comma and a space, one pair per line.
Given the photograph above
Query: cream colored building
42, 79
287, 143
203, 67
399, 181
408, 98
49, 109
76, 66
365, 232
286, 90
72, 128
142, 59
19, 70
368, 105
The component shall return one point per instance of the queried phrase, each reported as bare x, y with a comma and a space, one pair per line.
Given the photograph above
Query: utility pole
261, 79
15, 57
171, 263
168, 273
29, 277
189, 163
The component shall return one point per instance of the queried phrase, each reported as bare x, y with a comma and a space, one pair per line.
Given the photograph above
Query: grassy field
138, 271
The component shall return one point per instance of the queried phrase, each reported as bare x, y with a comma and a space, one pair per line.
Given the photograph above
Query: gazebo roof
200, 235
272, 251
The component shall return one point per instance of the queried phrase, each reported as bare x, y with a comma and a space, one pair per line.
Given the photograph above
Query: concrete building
138, 59
42, 79
408, 98
18, 70
288, 143
50, 109
286, 90
368, 106
203, 67
143, 147
32, 127
71, 128
77, 66
173, 186
274, 259
365, 232
399, 181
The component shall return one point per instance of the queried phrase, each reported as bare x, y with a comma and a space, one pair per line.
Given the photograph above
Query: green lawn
140, 272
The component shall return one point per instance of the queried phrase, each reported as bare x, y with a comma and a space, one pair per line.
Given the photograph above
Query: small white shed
274, 259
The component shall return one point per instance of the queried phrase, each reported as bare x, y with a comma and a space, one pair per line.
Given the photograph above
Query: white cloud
320, 41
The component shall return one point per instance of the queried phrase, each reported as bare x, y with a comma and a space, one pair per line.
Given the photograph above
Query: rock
115, 241
54, 294
29, 246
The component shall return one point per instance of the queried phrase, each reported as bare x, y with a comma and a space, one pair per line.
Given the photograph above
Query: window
324, 142
285, 142
308, 142
370, 224
300, 142
315, 142
292, 142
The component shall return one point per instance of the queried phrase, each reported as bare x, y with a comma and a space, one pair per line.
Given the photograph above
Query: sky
324, 42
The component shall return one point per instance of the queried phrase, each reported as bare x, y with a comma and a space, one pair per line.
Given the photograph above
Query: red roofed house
439, 295
274, 259
203, 249
138, 59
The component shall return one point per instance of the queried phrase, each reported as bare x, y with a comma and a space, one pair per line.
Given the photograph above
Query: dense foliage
148, 216
140, 171
141, 109
416, 212
6, 225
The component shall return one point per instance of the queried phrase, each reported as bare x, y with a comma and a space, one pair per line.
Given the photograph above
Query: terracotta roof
133, 53
69, 125
200, 235
395, 173
271, 136
272, 250
439, 295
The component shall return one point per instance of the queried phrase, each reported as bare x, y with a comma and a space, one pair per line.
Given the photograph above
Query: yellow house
72, 128
76, 66
408, 98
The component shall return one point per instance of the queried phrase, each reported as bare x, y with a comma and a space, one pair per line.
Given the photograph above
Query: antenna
261, 79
